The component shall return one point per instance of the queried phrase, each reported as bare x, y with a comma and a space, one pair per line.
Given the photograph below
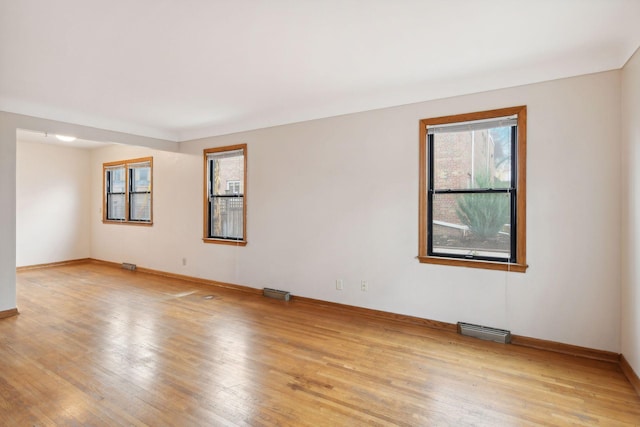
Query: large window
225, 195
472, 190
127, 191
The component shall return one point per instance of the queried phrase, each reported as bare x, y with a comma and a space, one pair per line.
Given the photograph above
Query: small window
233, 187
472, 190
127, 191
225, 195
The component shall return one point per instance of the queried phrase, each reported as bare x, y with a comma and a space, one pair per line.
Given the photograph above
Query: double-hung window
225, 195
472, 190
127, 191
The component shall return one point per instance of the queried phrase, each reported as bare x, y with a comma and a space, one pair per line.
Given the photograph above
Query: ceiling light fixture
65, 138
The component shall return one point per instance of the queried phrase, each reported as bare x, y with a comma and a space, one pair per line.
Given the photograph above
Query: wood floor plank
97, 345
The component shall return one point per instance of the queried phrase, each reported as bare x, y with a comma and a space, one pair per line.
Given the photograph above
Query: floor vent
484, 332
128, 266
276, 293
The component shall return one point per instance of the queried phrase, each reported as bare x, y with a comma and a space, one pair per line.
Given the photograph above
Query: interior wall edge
631, 375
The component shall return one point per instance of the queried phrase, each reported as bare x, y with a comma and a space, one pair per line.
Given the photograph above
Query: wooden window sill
143, 224
225, 242
488, 265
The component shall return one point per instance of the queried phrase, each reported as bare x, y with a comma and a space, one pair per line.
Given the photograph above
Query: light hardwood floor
96, 345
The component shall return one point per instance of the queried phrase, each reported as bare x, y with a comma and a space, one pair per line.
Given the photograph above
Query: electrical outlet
184, 261
364, 286
339, 284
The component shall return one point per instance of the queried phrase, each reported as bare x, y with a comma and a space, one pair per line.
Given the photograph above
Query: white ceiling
50, 139
183, 69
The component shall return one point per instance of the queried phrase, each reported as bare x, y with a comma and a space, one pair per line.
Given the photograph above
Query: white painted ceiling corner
180, 70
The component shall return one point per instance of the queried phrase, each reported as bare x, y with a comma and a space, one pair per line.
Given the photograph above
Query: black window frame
109, 172
511, 190
131, 168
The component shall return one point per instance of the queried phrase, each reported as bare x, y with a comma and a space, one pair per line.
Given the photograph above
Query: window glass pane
140, 207
472, 159
115, 206
472, 224
140, 178
227, 217
228, 173
117, 178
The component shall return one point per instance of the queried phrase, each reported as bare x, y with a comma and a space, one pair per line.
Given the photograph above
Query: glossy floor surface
96, 345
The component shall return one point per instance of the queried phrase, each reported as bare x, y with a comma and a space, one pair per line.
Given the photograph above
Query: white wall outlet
339, 284
364, 286
184, 261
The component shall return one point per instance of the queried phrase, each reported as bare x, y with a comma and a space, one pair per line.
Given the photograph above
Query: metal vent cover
276, 293
484, 332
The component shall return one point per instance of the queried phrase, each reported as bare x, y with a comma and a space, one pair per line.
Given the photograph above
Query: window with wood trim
127, 196
473, 190
225, 199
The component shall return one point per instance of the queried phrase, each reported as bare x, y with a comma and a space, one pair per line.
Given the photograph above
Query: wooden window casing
233, 194
127, 191
519, 251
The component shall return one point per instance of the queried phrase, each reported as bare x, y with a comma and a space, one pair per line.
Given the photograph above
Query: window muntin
472, 196
225, 194
127, 191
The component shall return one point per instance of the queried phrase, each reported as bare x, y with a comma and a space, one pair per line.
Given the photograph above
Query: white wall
631, 212
52, 204
7, 213
338, 199
176, 195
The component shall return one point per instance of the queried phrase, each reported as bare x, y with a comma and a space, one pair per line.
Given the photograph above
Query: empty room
336, 213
